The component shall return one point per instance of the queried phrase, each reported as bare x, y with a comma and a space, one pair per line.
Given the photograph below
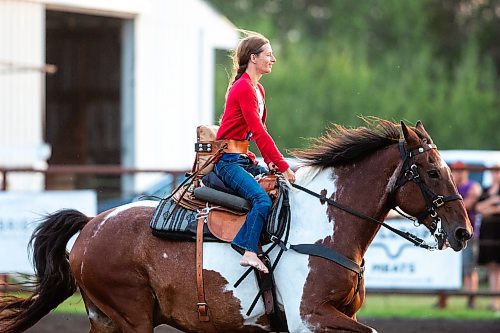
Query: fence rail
445, 292
442, 295
119, 170
85, 170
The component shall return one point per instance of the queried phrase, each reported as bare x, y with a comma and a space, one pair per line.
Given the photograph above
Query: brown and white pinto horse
131, 281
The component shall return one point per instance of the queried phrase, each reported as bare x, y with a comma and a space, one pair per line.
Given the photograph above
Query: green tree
430, 60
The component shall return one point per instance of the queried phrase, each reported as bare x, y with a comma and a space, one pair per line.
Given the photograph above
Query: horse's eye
433, 173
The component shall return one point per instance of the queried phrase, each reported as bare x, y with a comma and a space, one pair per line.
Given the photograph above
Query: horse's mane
341, 145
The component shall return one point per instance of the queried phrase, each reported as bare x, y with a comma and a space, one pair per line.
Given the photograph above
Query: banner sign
20, 213
394, 263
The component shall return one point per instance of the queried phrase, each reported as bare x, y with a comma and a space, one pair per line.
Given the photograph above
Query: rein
406, 235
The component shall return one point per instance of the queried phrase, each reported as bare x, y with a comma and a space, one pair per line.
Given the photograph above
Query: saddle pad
175, 222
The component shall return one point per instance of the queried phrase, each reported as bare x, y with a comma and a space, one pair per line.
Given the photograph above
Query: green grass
385, 306
73, 305
378, 306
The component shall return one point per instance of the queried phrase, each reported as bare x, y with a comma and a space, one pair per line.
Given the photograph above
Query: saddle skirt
176, 218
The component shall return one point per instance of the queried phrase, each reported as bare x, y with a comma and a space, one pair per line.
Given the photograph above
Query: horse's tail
55, 283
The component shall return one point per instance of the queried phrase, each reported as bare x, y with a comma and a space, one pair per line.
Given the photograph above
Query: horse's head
425, 189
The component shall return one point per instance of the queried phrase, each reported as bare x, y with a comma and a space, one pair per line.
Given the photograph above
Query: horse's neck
363, 187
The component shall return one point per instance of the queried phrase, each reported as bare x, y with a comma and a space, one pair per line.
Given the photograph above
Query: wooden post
442, 300
3, 283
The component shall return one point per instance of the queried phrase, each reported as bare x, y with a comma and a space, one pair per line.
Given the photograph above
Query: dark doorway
83, 119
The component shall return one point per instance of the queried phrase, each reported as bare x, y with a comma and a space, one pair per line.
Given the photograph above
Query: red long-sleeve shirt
241, 121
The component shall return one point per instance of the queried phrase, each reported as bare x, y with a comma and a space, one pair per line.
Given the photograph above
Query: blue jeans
237, 171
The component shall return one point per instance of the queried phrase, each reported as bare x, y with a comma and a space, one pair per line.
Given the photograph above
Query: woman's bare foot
250, 259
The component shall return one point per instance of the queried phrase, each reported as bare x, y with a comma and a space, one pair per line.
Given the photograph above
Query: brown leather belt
235, 146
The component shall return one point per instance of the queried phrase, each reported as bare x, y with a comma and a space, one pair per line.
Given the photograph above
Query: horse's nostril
462, 234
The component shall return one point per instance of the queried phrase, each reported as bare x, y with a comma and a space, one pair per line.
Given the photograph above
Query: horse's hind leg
99, 322
121, 312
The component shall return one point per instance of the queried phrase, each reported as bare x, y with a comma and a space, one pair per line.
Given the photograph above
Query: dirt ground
63, 323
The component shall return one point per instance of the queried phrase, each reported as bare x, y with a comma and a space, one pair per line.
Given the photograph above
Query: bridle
409, 172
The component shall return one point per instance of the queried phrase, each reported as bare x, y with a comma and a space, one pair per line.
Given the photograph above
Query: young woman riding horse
243, 119
132, 282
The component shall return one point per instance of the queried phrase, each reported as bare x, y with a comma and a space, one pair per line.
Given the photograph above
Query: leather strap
406, 235
266, 285
202, 303
330, 254
235, 146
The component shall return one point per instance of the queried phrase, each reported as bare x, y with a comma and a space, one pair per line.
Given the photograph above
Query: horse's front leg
326, 318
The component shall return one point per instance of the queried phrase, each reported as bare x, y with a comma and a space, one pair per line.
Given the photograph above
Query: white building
134, 78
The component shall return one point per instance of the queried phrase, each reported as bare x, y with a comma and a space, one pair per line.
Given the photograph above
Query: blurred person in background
471, 191
489, 236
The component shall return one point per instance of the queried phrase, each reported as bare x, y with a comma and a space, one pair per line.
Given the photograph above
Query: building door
83, 119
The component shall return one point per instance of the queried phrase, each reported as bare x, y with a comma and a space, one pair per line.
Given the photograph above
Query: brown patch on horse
224, 307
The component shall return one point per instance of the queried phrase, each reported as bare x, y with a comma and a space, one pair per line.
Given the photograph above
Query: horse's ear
410, 136
420, 127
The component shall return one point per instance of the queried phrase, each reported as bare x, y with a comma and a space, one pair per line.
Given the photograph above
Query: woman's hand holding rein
289, 175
